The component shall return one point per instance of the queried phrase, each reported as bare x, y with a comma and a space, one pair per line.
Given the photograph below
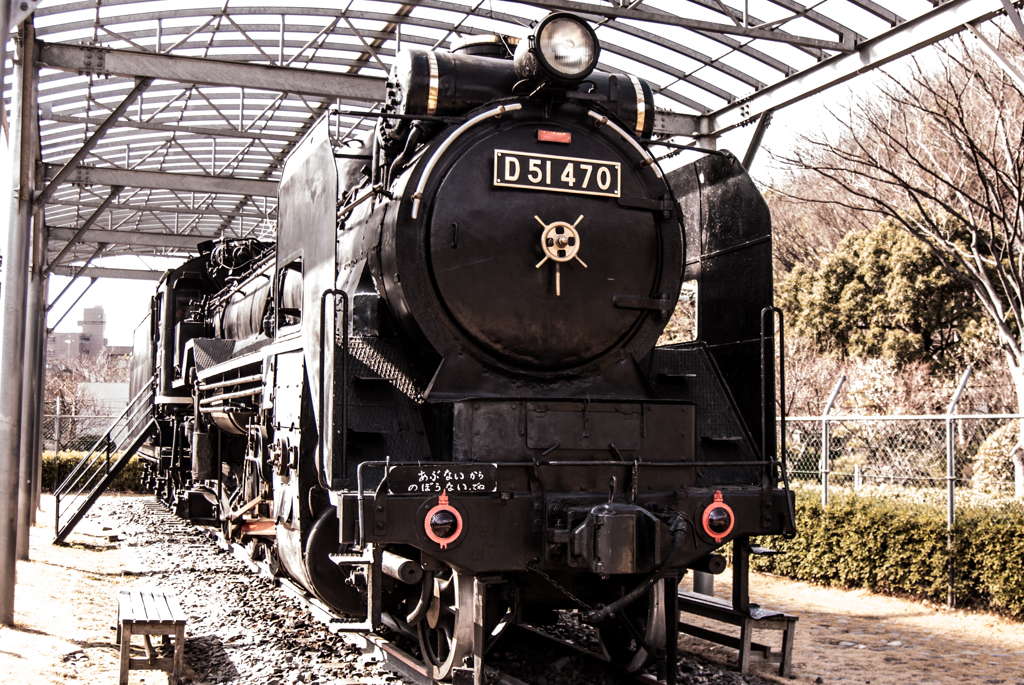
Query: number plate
557, 174
433, 479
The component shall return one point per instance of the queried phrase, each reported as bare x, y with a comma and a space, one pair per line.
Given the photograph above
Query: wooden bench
757, 619
145, 613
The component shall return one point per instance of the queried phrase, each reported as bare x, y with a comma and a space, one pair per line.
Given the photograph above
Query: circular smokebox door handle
560, 241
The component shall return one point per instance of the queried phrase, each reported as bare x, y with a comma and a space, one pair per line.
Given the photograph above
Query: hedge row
900, 547
57, 467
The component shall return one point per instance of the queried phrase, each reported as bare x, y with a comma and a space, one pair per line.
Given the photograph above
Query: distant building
109, 398
88, 342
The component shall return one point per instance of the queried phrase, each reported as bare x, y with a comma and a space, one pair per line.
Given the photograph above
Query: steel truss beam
130, 238
675, 124
929, 28
95, 138
84, 175
665, 123
846, 42
79, 234
171, 209
104, 272
89, 60
195, 130
1009, 67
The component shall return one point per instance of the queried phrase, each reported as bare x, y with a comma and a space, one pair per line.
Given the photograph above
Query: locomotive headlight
563, 48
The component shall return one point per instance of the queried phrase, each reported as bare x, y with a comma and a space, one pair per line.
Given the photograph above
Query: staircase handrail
129, 413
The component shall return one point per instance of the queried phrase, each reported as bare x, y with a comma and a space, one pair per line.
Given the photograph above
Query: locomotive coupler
616, 538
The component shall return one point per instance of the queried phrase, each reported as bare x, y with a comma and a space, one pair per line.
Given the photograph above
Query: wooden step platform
757, 619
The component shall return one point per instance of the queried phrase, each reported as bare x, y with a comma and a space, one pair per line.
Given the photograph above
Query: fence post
56, 431
951, 483
824, 465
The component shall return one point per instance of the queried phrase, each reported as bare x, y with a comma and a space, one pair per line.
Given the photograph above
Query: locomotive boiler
436, 401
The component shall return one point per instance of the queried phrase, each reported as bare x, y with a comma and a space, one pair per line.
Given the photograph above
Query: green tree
940, 152
882, 293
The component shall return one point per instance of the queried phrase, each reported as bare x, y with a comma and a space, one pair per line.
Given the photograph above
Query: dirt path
854, 636
65, 611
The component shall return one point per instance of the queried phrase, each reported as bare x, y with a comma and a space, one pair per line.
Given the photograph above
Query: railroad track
520, 645
405, 665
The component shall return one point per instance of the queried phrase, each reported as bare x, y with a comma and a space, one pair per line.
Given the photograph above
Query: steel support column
5, 22
12, 343
41, 239
757, 139
37, 450
30, 390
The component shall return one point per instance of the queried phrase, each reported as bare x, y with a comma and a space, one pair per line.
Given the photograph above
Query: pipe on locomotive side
712, 563
400, 568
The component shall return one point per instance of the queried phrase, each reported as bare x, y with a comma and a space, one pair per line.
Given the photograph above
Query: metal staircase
107, 458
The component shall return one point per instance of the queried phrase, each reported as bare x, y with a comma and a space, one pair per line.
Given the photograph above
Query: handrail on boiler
768, 402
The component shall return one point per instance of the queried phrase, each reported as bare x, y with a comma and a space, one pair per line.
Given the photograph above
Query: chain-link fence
69, 437
947, 460
72, 433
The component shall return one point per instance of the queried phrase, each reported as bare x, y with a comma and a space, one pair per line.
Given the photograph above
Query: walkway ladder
107, 458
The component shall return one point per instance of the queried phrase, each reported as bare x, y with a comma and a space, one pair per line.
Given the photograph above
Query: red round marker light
718, 519
443, 523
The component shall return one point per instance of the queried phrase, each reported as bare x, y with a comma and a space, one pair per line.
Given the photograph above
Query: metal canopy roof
213, 96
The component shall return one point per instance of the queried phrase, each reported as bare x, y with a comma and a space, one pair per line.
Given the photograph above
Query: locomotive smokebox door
556, 299
531, 246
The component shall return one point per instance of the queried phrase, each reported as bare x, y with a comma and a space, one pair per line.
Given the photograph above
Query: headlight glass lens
567, 46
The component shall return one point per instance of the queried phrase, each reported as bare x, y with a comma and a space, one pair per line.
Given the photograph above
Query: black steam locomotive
436, 402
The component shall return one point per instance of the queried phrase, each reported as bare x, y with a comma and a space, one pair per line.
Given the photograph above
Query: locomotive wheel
644, 618
326, 579
446, 633
274, 561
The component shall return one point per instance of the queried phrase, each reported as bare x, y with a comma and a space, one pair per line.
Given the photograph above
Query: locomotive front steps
755, 618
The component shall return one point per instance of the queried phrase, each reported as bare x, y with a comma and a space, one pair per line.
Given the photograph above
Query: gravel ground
243, 630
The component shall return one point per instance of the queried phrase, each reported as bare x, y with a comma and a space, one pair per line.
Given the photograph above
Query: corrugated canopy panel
197, 154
